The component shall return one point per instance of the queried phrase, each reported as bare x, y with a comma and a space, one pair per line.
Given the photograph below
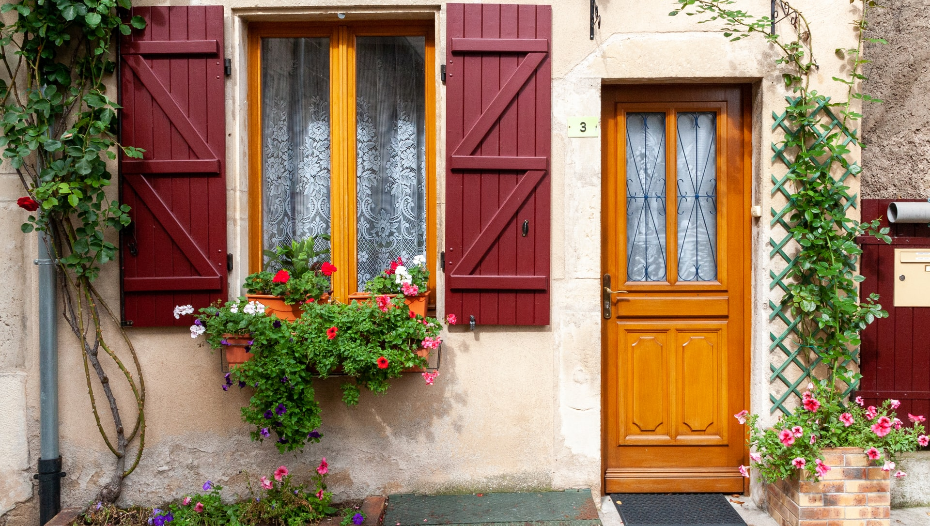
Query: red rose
28, 203
281, 277
382, 363
328, 269
331, 332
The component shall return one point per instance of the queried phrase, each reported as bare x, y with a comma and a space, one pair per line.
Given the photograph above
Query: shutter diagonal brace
507, 210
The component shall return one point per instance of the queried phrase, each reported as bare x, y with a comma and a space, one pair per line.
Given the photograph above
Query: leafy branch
58, 132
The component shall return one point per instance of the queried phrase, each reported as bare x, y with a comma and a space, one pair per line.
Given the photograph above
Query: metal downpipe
50, 473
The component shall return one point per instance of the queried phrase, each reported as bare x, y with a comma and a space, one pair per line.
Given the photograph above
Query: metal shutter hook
471, 322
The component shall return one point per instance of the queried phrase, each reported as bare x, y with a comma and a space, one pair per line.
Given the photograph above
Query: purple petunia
225, 387
282, 441
269, 415
241, 384
228, 379
358, 519
197, 322
285, 379
207, 486
224, 342
264, 432
276, 324
313, 434
280, 410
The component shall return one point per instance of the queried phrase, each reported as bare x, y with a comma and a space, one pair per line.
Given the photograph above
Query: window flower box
416, 304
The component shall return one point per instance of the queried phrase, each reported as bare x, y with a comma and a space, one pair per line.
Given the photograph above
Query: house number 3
583, 127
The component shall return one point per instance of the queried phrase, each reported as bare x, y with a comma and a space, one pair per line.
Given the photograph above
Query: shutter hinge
126, 323
227, 66
229, 262
442, 260
442, 73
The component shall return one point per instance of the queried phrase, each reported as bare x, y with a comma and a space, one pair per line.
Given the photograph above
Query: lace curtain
645, 196
390, 152
295, 140
697, 196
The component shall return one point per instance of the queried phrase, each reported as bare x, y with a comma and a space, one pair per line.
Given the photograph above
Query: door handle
608, 291
607, 297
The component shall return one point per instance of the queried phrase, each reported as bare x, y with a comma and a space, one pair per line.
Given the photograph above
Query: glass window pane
697, 196
645, 197
390, 151
295, 140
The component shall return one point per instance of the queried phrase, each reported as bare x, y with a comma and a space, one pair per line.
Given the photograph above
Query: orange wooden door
675, 289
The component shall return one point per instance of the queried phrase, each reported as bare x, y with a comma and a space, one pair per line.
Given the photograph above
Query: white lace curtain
390, 152
391, 145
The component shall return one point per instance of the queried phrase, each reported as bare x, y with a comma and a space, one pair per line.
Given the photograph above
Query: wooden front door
675, 290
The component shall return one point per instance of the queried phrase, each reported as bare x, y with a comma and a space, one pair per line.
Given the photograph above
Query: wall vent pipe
909, 212
50, 474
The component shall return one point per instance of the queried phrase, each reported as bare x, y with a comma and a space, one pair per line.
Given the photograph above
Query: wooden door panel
675, 357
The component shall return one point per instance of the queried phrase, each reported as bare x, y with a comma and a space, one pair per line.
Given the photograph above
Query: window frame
343, 199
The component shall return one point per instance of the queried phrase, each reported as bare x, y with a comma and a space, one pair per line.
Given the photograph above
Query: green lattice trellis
786, 341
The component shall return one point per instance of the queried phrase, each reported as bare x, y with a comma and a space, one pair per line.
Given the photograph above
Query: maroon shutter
172, 92
894, 354
498, 92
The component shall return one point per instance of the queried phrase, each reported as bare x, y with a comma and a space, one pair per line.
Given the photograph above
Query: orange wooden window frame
342, 137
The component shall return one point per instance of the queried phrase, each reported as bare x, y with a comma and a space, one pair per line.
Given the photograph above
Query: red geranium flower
328, 269
382, 363
331, 332
28, 203
412, 314
281, 277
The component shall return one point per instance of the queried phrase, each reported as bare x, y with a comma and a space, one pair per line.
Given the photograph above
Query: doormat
675, 509
551, 508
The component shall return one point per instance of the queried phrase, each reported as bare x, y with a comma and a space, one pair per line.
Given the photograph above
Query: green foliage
303, 274
819, 425
369, 342
204, 509
392, 280
823, 290
288, 504
58, 122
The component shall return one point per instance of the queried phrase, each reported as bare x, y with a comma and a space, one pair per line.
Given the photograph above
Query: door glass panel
295, 140
645, 197
697, 196
390, 151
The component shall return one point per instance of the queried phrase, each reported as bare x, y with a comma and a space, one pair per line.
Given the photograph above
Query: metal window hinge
442, 73
227, 65
442, 260
229, 262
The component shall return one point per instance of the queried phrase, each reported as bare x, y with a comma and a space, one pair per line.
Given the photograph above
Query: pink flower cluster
384, 302
409, 290
882, 426
821, 468
430, 376
810, 403
431, 343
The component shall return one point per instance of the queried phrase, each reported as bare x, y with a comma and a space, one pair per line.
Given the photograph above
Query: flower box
852, 493
275, 306
416, 304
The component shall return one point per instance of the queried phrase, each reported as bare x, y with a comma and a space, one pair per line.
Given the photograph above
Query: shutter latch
227, 66
442, 73
442, 260
471, 322
229, 262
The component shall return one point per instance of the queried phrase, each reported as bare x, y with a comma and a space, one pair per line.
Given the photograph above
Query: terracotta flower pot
416, 304
235, 348
275, 306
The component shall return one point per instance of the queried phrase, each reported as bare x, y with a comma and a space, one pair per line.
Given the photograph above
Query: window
341, 142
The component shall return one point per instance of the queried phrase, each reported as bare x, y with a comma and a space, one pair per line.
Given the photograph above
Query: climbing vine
58, 124
822, 290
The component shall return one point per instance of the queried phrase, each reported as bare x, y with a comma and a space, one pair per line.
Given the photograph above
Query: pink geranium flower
786, 437
888, 466
916, 419
384, 302
895, 404
900, 474
319, 494
847, 419
741, 416
280, 473
323, 468
798, 431
799, 463
430, 376
923, 440
450, 319
744, 471
882, 426
755, 457
198, 507
431, 343
408, 289
873, 453
266, 484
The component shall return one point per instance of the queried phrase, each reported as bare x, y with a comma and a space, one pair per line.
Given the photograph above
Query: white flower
401, 275
254, 307
181, 310
234, 308
419, 260
197, 330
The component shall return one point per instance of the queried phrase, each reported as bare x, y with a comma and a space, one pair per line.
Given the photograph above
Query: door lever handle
608, 291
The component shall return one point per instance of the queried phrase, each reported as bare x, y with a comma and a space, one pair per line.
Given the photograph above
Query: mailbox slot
912, 277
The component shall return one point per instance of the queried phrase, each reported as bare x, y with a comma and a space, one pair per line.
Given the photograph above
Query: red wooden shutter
498, 93
173, 97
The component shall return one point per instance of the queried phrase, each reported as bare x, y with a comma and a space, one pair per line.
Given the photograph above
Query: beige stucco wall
514, 408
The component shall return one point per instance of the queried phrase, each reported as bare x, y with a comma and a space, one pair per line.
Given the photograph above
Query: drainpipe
50, 473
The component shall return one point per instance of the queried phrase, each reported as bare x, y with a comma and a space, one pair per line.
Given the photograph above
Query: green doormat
675, 509
557, 508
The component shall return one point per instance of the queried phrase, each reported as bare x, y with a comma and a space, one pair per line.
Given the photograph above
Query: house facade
612, 340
